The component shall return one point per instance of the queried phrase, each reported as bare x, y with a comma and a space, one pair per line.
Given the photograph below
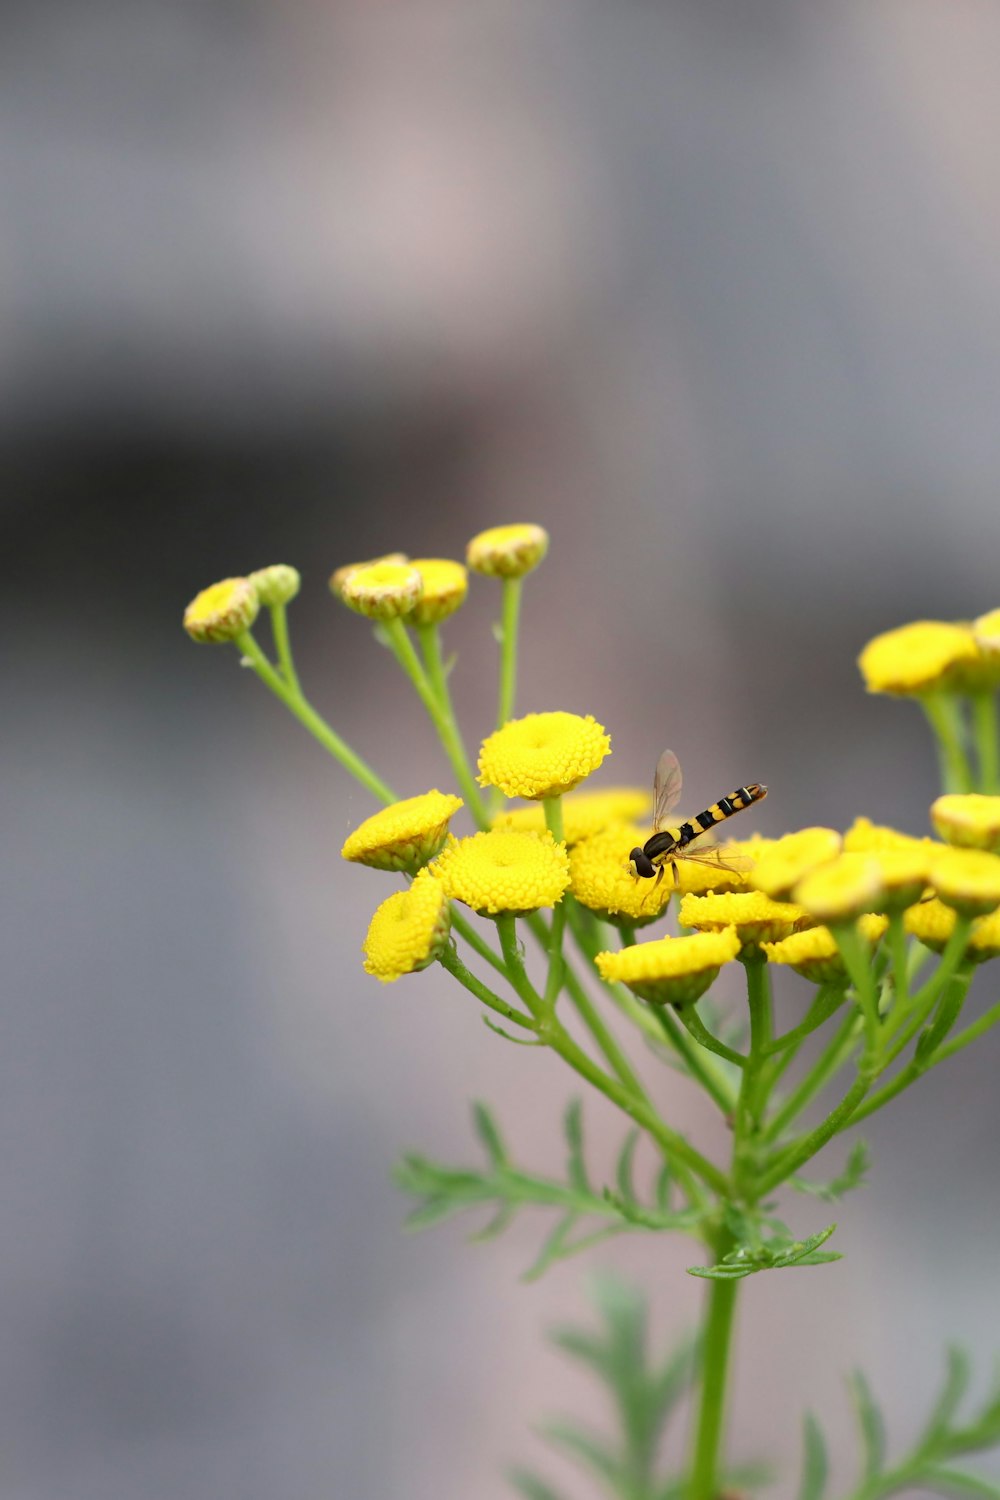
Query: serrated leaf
955, 1482
553, 1248
870, 1424
623, 1169
531, 1486
803, 1251
588, 1449
576, 1169
488, 1132
815, 1464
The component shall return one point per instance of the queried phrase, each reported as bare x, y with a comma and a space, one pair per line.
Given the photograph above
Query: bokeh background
713, 293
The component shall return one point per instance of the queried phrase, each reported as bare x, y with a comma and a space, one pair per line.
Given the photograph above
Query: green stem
450, 960
945, 716
934, 1053
856, 955
984, 723
698, 1031
508, 649
827, 1000
310, 719
283, 646
900, 977
829, 1062
805, 1148
924, 1001
440, 714
715, 1352
465, 929
970, 1034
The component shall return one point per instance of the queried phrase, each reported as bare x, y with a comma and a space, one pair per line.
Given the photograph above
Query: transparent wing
719, 857
666, 788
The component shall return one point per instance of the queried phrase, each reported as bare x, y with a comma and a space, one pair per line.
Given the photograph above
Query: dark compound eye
643, 865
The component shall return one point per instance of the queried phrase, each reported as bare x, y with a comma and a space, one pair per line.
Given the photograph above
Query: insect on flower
668, 845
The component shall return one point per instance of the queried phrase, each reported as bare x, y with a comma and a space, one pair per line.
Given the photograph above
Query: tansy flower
783, 866
986, 631
674, 971
841, 890
756, 918
223, 611
903, 875
408, 931
968, 820
277, 584
339, 578
507, 551
584, 813
967, 879
404, 836
600, 880
866, 837
814, 953
504, 871
542, 755
918, 658
933, 924
383, 591
446, 584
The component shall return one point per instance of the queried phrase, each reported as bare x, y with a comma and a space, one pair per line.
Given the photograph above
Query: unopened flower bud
383, 591
507, 551
223, 611
277, 584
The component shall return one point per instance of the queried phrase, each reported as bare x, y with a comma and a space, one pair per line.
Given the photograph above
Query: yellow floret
383, 591
814, 953
866, 837
933, 924
504, 871
675, 971
340, 577
841, 890
600, 880
791, 857
584, 813
404, 836
918, 658
903, 874
968, 820
507, 551
756, 918
542, 755
408, 931
445, 583
968, 880
223, 611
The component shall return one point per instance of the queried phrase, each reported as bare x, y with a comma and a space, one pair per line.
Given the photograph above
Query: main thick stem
716, 1348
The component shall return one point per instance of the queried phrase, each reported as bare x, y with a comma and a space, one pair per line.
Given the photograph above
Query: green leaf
508, 1036
587, 1347
802, 1252
954, 1482
588, 1449
531, 1486
853, 1176
576, 1169
489, 1133
815, 1464
553, 1249
497, 1224
723, 1272
623, 1170
434, 1211
956, 1383
870, 1424
662, 1191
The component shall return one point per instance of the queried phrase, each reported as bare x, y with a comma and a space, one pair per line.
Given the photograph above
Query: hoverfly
668, 845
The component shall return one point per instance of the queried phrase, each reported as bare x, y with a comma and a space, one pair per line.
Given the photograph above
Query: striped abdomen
668, 840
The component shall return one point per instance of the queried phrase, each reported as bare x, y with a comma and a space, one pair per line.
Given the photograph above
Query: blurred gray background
713, 293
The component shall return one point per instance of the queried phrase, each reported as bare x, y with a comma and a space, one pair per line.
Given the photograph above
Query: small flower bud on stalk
384, 591
277, 584
507, 551
223, 611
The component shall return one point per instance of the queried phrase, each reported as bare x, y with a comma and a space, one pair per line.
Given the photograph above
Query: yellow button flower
933, 924
384, 591
408, 931
277, 584
504, 871
223, 611
507, 551
918, 658
986, 631
446, 584
866, 837
584, 813
778, 871
903, 874
404, 836
756, 918
969, 820
671, 971
814, 953
599, 879
968, 880
841, 890
542, 755
340, 577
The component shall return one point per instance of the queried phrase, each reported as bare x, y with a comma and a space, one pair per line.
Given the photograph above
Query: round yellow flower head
699, 877
671, 971
600, 881
986, 631
968, 820
866, 837
504, 871
340, 577
933, 924
903, 874
408, 931
755, 917
384, 591
841, 890
984, 943
778, 871
814, 953
584, 813
918, 658
507, 551
223, 611
404, 836
446, 584
968, 880
277, 584
542, 755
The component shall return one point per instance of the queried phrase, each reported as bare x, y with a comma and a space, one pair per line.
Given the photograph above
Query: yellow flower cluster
404, 836
934, 655
504, 871
674, 971
600, 879
754, 917
543, 755
933, 924
814, 953
584, 813
408, 931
